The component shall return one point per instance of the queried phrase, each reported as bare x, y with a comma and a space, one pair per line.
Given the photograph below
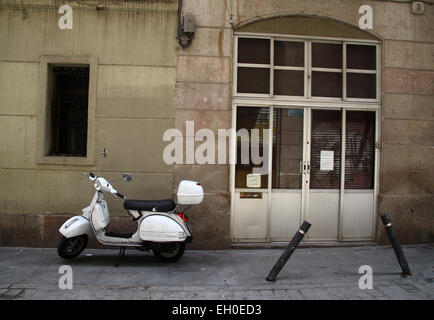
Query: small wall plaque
251, 195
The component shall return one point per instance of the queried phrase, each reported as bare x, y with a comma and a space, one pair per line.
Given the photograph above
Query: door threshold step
280, 245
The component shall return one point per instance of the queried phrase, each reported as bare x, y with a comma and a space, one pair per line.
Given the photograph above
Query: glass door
321, 168
250, 220
287, 179
358, 198
340, 188
324, 169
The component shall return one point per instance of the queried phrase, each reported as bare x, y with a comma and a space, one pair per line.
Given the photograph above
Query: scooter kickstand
120, 255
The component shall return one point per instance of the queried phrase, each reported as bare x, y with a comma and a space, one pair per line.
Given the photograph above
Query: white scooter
160, 227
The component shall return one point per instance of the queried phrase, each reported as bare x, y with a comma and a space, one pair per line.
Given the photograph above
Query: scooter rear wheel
170, 255
69, 248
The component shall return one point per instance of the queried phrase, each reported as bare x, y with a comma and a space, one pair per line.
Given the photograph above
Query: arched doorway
314, 84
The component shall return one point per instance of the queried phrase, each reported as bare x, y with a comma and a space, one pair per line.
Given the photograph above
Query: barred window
69, 110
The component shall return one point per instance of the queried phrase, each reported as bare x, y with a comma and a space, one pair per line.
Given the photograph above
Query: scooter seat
150, 205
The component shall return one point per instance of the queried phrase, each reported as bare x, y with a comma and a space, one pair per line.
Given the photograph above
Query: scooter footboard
76, 226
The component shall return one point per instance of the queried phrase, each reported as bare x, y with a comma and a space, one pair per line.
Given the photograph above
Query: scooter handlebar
102, 184
120, 195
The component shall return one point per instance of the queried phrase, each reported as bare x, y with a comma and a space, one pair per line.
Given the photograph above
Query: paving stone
12, 293
281, 294
309, 294
295, 295
2, 291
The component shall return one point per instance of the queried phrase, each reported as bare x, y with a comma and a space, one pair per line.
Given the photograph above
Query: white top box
189, 192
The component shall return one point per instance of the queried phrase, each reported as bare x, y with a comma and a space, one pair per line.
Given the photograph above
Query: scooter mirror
127, 177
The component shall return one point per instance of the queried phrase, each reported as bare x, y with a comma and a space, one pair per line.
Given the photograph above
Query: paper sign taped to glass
326, 160
253, 180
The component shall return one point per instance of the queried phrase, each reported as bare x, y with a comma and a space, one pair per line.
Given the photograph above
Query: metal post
288, 251
395, 244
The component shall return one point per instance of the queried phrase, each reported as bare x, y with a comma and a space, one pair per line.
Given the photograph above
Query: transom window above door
306, 69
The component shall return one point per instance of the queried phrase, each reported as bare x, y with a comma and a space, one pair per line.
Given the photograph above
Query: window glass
253, 50
253, 80
287, 148
288, 53
325, 161
359, 150
361, 85
326, 65
69, 108
289, 82
326, 55
326, 84
361, 57
251, 118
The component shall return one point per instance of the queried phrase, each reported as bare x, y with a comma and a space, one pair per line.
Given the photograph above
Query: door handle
304, 167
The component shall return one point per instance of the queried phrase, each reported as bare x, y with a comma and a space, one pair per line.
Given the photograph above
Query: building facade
345, 115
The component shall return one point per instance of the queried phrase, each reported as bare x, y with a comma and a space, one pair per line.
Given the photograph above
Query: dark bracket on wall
185, 28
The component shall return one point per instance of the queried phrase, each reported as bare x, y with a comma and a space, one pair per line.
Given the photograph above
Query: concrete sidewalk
311, 273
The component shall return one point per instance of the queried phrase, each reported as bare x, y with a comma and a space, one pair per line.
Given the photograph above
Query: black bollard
288, 251
395, 244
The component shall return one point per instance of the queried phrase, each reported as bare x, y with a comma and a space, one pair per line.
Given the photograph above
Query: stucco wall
134, 44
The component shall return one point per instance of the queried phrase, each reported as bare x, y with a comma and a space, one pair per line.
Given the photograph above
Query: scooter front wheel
69, 248
170, 255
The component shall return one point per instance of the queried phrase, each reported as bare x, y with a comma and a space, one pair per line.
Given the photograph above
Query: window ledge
83, 161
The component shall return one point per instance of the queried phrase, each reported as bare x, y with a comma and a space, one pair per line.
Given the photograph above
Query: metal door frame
307, 123
307, 103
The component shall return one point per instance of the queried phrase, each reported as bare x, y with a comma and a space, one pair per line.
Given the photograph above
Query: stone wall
407, 157
203, 93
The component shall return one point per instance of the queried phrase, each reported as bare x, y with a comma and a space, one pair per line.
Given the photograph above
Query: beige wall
134, 44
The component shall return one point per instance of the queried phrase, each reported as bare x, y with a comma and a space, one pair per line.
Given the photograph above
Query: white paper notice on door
253, 180
326, 161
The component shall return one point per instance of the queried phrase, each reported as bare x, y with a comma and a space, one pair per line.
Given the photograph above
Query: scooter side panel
160, 228
100, 216
76, 226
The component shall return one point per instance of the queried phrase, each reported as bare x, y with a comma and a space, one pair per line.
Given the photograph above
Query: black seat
150, 205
